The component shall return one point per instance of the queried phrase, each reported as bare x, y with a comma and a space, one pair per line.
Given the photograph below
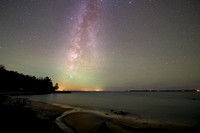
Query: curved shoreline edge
61, 124
135, 124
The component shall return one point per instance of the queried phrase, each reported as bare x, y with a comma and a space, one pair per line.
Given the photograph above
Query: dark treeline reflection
11, 81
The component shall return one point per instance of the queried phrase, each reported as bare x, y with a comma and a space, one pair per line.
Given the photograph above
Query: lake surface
173, 107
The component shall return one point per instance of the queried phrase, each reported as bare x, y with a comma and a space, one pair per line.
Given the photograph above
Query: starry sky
96, 45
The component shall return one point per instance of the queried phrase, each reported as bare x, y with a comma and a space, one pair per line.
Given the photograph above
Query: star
71, 18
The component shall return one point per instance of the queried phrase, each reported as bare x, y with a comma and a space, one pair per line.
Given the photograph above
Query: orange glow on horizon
98, 89
78, 88
198, 90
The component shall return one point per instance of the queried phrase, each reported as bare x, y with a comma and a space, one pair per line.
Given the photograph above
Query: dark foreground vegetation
16, 118
12, 81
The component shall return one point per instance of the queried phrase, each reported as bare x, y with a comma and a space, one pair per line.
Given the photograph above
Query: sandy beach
39, 116
94, 121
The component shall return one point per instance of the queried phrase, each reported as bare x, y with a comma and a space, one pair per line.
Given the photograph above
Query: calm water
174, 107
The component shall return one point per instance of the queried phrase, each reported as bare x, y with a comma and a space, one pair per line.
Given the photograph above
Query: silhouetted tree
2, 67
13, 81
56, 86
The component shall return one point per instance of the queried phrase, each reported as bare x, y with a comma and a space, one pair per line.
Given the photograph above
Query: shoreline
77, 119
131, 117
115, 123
80, 119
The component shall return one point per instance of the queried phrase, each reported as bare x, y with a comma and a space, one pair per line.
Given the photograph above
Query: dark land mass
183, 90
12, 81
62, 92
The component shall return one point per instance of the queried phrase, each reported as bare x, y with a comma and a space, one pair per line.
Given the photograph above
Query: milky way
103, 44
85, 32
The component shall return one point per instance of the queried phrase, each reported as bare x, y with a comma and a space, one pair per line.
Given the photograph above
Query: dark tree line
11, 81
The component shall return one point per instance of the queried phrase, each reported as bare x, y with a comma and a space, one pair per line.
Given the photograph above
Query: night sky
103, 44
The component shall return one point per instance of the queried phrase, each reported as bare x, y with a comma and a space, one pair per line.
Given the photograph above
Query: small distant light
71, 18
130, 2
198, 90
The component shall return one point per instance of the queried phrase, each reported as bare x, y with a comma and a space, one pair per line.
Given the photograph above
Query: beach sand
41, 117
86, 122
